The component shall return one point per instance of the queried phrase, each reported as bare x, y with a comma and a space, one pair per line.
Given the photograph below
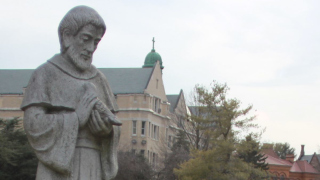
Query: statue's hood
68, 68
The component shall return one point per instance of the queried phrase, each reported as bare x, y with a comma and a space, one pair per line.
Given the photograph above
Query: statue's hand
106, 114
98, 126
85, 105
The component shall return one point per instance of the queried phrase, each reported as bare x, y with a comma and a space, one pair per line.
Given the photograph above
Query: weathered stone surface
69, 106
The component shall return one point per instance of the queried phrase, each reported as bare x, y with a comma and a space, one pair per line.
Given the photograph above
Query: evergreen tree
250, 152
17, 159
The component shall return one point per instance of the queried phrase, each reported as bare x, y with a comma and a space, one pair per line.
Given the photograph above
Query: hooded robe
66, 151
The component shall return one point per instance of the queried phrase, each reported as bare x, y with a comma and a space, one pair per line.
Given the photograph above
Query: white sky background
267, 51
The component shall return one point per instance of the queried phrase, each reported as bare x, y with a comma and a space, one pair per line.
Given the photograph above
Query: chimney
301, 152
290, 157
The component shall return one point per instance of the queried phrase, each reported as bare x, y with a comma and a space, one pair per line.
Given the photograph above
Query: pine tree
17, 159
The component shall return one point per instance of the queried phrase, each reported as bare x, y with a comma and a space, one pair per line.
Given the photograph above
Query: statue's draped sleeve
52, 135
109, 157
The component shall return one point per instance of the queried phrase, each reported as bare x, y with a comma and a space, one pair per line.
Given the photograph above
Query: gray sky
266, 50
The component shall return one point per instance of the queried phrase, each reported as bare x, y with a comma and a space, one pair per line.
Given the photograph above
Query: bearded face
83, 45
80, 58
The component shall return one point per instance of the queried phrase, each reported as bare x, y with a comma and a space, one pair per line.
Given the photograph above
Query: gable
181, 107
155, 85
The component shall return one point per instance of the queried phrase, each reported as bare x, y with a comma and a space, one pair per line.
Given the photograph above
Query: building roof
270, 152
12, 81
173, 100
121, 80
303, 167
273, 158
307, 158
194, 110
127, 80
277, 161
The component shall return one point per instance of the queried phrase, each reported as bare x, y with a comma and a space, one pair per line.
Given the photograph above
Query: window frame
143, 128
134, 128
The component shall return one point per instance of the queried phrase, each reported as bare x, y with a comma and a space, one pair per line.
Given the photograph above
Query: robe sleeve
52, 136
109, 158
37, 90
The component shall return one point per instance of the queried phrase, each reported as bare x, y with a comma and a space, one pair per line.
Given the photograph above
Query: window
143, 126
134, 127
133, 151
149, 129
154, 132
142, 151
156, 105
166, 134
153, 158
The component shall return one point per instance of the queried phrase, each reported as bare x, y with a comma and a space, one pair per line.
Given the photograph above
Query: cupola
152, 57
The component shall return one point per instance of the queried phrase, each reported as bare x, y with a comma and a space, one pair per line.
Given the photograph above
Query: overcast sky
267, 51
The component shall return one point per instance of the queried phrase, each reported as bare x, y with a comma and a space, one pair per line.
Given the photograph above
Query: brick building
288, 169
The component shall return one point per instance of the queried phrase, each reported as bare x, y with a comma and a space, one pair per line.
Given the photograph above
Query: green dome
152, 58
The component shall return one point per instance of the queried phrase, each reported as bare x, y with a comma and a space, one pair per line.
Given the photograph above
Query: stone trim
10, 109
144, 109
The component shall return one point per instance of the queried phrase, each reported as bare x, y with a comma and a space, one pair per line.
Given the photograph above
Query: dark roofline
129, 93
17, 80
11, 93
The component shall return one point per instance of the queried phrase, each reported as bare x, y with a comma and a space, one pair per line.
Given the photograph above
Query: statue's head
80, 32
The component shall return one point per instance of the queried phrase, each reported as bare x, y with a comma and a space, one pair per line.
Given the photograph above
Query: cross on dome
153, 43
152, 57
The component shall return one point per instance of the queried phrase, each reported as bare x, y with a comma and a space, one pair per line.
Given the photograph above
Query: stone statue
69, 106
